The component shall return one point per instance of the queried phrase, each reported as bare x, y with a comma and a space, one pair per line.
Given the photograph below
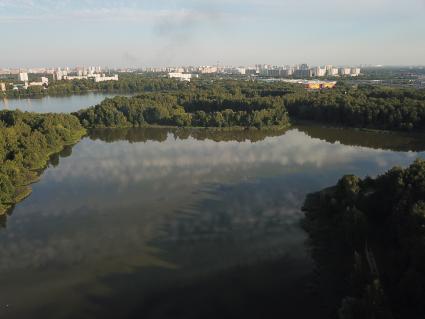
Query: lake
178, 223
58, 104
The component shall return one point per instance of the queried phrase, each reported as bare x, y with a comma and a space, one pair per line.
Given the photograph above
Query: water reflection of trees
161, 134
3, 219
53, 161
395, 141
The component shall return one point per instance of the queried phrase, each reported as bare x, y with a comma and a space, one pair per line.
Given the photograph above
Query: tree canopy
369, 236
27, 141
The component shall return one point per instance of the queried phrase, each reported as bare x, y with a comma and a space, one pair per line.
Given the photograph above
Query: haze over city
187, 32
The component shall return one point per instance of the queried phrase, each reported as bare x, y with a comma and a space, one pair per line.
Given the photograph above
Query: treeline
199, 108
364, 106
369, 237
26, 143
227, 103
140, 83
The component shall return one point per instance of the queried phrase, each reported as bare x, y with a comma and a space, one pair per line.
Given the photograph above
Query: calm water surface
63, 104
156, 223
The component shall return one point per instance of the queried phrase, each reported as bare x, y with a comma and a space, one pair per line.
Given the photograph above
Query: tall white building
344, 71
23, 76
328, 69
355, 71
334, 72
58, 75
317, 71
240, 70
2, 87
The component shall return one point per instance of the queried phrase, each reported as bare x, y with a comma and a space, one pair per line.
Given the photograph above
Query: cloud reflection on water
108, 191
208, 161
186, 204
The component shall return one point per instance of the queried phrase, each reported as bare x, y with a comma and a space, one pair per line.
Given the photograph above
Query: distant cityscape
57, 74
312, 77
184, 73
299, 70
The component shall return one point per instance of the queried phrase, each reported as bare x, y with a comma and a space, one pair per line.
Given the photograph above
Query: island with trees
26, 144
367, 237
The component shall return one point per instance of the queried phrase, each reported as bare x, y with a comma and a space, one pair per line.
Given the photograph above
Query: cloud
204, 31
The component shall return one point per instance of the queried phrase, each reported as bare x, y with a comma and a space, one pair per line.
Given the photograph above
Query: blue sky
204, 32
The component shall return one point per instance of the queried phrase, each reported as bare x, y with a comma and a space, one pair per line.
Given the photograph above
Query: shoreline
212, 128
24, 191
39, 97
296, 122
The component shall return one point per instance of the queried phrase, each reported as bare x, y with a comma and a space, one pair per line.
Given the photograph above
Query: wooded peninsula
27, 141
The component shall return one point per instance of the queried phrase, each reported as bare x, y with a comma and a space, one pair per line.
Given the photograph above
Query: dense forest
368, 239
363, 106
26, 143
223, 105
227, 103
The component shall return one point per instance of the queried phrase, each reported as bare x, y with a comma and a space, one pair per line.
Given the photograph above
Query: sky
144, 33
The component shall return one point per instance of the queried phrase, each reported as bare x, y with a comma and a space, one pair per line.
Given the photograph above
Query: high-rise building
23, 76
334, 72
287, 72
344, 71
58, 75
2, 87
355, 72
328, 69
317, 71
304, 67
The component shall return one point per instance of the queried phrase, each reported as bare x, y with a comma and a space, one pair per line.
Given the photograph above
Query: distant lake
62, 104
162, 223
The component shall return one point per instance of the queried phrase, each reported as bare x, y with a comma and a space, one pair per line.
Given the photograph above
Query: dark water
155, 223
62, 104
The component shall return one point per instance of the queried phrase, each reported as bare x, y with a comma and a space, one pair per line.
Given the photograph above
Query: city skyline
187, 32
